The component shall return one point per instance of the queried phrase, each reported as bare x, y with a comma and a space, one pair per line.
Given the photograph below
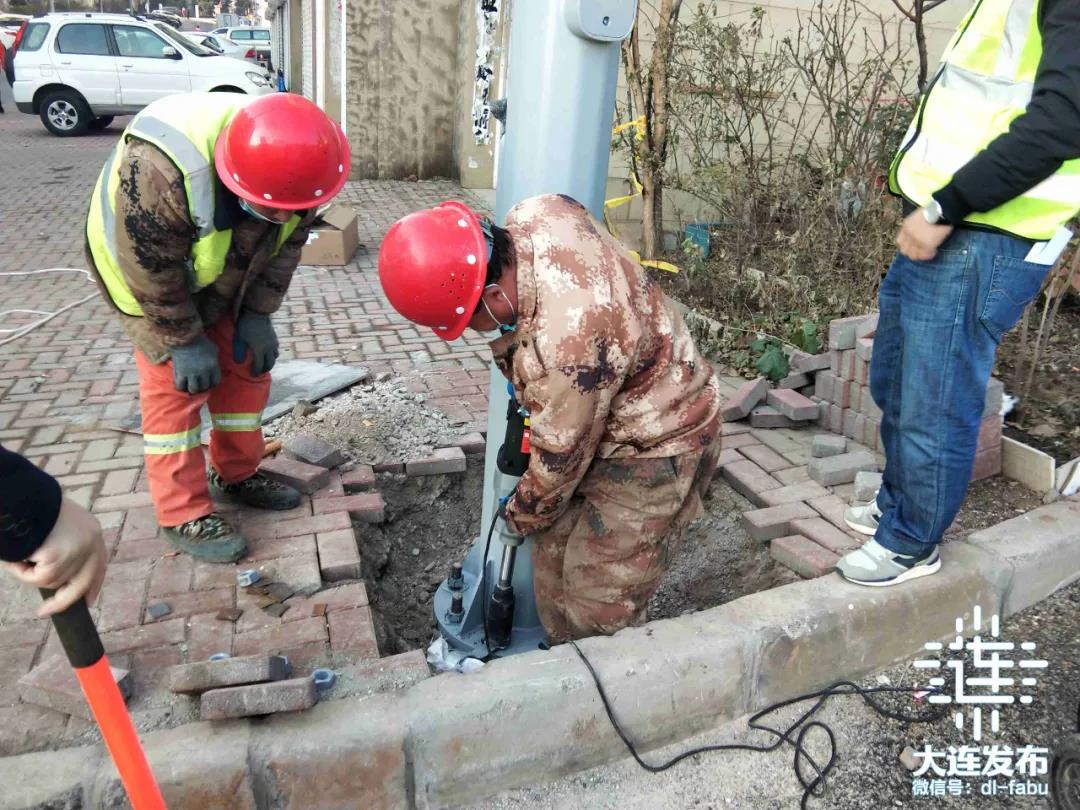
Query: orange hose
107, 705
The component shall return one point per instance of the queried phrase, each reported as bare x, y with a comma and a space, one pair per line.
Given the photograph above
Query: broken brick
825, 534
749, 480
306, 478
793, 405
766, 458
339, 555
54, 685
842, 331
444, 461
364, 506
802, 556
864, 349
745, 398
353, 631
827, 444
358, 479
313, 450
292, 695
766, 416
793, 493
841, 469
774, 521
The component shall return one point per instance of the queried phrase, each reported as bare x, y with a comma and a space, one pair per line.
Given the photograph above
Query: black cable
811, 787
482, 588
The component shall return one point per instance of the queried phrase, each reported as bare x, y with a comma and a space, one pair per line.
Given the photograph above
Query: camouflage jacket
154, 238
603, 362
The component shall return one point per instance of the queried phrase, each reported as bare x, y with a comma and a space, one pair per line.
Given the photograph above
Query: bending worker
624, 410
194, 231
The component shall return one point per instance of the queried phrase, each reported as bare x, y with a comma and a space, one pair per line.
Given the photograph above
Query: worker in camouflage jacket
624, 411
194, 231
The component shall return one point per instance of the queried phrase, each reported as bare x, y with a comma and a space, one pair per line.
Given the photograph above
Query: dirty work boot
877, 566
208, 538
257, 491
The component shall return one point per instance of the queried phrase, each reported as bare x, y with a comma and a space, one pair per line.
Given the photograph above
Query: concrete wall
781, 19
403, 87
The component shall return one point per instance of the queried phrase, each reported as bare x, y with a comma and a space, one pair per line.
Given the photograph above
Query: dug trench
431, 521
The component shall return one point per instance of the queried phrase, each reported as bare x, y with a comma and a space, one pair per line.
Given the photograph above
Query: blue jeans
940, 325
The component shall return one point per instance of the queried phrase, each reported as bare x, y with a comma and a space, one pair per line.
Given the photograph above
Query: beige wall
402, 84
781, 19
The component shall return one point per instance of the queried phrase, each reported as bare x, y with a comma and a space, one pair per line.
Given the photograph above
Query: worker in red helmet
194, 231
624, 410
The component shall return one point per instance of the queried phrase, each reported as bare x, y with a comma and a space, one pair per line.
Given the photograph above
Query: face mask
503, 327
244, 204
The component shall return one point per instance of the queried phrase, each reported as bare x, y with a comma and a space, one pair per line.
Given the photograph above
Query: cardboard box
333, 239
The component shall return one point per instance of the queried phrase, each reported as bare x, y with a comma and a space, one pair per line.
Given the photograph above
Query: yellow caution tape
617, 202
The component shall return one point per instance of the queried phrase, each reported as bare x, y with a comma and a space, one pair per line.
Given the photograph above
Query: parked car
255, 38
76, 71
163, 16
9, 27
221, 46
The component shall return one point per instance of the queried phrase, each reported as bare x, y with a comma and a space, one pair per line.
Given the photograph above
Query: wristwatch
932, 212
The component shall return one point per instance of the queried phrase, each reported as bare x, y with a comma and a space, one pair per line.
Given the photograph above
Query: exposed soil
373, 423
432, 521
990, 502
718, 561
1050, 419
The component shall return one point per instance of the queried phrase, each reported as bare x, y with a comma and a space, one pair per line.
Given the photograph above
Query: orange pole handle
111, 714
82, 644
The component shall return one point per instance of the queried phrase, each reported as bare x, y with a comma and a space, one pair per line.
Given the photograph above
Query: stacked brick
842, 390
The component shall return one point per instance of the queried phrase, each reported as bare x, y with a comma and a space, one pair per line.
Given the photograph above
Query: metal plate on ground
293, 380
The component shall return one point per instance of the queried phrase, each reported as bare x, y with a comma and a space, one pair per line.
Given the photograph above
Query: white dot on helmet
267, 197
236, 177
340, 168
318, 192
462, 223
470, 259
460, 310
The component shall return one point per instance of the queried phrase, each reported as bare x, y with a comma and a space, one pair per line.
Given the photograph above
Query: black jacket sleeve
29, 506
1041, 139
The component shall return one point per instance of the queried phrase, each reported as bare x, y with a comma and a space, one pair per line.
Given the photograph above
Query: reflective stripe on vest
185, 129
985, 81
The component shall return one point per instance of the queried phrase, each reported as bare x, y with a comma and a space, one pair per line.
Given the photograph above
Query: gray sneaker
209, 538
863, 518
878, 567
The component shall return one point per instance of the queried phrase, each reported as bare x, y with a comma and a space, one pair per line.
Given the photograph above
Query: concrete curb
453, 739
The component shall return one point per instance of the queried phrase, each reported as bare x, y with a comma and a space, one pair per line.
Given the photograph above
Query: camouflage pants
597, 567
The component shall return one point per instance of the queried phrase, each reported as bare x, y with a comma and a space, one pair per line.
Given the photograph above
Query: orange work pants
172, 430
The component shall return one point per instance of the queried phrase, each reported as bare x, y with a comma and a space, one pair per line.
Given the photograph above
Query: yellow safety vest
985, 81
185, 129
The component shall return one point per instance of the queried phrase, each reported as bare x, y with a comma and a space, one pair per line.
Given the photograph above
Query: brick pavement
63, 384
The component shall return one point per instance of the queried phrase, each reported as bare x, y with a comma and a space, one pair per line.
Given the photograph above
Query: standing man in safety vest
990, 174
194, 231
624, 411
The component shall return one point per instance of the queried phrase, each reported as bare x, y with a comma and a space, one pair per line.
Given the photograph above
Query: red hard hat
432, 266
281, 150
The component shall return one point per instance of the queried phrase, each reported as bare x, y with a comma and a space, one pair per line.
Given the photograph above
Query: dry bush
788, 142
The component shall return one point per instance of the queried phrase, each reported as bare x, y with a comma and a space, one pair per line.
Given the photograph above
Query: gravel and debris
376, 422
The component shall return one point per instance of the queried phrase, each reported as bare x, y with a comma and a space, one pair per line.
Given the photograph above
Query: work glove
195, 366
255, 332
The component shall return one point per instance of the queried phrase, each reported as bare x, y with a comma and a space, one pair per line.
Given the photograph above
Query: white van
77, 71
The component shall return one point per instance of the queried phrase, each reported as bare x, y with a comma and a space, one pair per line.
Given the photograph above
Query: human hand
71, 561
195, 366
918, 240
256, 332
